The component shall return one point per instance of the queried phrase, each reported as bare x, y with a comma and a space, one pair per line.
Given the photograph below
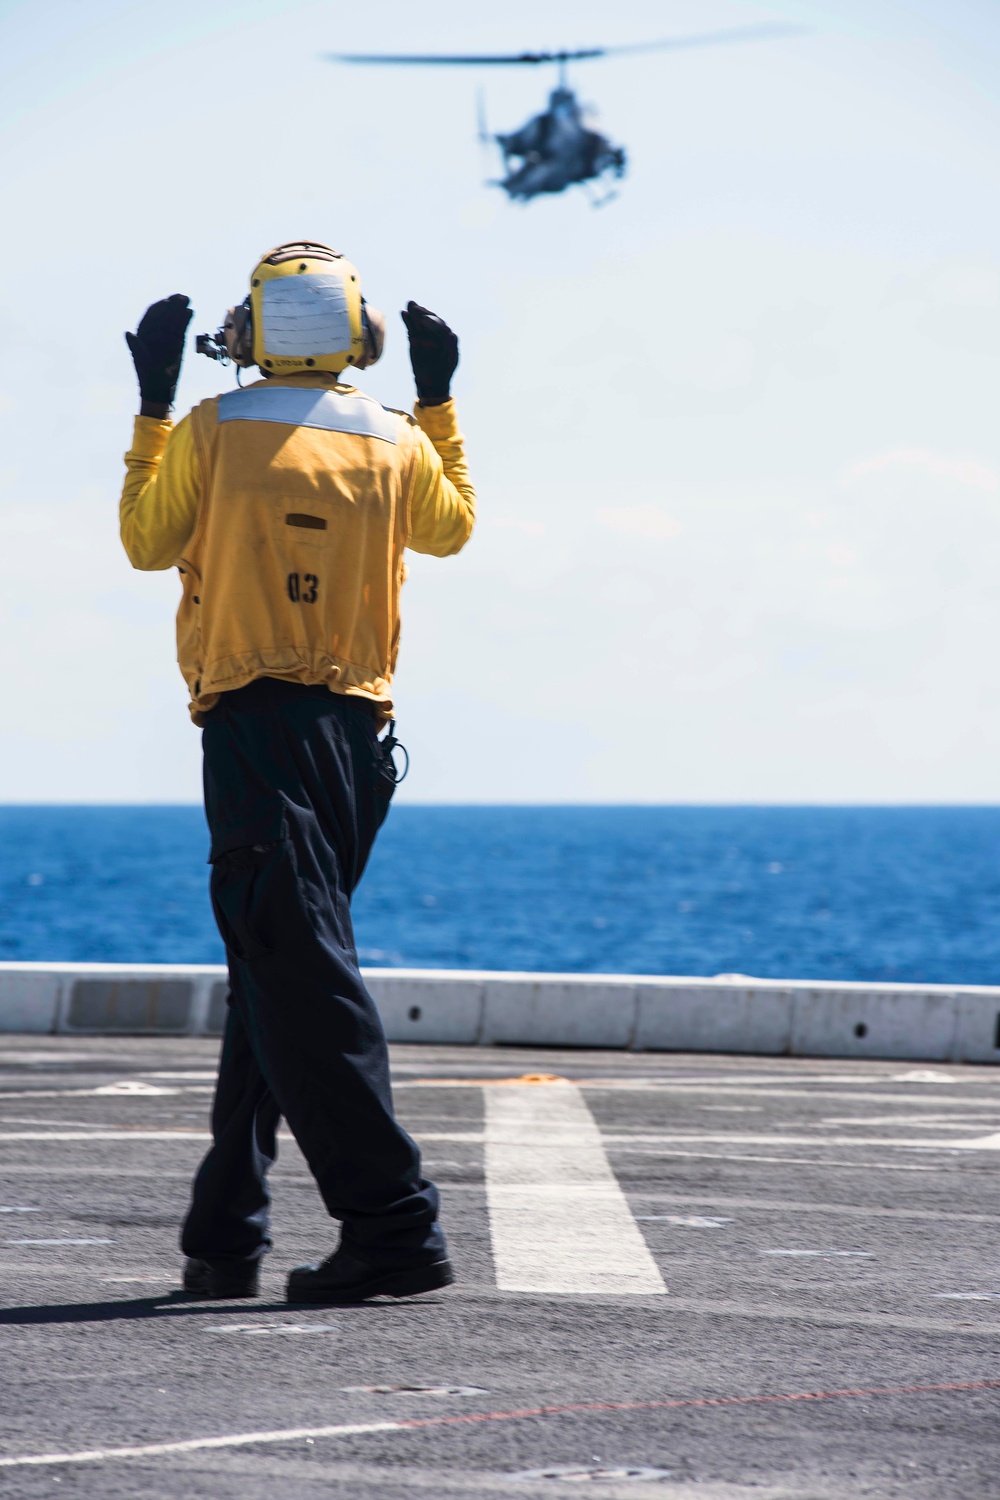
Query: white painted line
153, 1280
6, 1094
58, 1242
685, 1221
10, 1209
923, 1075
182, 1133
967, 1296
824, 1254
569, 1472
772, 1206
193, 1445
128, 1087
252, 1328
559, 1221
984, 1117
978, 1143
105, 1135
758, 1091
198, 1077
735, 1138
416, 1390
46, 1122
806, 1161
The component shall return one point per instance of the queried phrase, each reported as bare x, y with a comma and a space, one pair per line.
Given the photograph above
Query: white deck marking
978, 1143
47, 1122
749, 1089
5, 1094
793, 1161
154, 1280
59, 1242
967, 1296
201, 1076
824, 1254
986, 1116
192, 1445
129, 1087
125, 1134
559, 1221
737, 1138
684, 1221
184, 1133
923, 1075
797, 1206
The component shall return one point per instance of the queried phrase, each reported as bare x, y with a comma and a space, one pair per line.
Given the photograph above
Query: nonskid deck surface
678, 1276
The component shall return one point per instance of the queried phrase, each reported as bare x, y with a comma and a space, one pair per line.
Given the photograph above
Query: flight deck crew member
286, 506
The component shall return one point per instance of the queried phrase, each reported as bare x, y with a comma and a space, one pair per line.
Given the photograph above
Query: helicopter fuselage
556, 149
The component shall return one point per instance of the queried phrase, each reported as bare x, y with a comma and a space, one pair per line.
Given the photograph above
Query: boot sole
222, 1294
408, 1283
219, 1288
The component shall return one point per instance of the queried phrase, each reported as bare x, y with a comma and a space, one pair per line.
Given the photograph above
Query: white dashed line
684, 1221
127, 1133
124, 1134
796, 1161
968, 1296
167, 1276
58, 1242
736, 1138
133, 1087
825, 1254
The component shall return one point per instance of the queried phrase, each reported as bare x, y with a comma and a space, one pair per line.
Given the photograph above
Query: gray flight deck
679, 1275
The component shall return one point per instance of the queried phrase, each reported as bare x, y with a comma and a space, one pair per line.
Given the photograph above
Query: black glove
157, 348
433, 353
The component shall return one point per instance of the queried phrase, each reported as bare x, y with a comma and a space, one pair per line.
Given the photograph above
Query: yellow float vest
296, 561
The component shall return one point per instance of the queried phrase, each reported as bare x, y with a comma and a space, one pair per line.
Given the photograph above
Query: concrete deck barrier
733, 1013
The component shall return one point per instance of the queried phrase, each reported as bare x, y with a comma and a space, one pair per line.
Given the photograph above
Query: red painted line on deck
249, 1439
692, 1402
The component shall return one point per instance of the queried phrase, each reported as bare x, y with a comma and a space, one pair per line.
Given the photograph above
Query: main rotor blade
766, 32
471, 60
769, 31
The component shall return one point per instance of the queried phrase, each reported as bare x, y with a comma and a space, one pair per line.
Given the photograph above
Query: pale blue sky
734, 434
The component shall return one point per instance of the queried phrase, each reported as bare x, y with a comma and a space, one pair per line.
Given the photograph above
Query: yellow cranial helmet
307, 312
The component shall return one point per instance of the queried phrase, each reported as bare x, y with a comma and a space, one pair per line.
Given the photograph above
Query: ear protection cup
373, 329
237, 334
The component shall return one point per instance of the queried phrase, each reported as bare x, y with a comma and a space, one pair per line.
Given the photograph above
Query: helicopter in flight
558, 148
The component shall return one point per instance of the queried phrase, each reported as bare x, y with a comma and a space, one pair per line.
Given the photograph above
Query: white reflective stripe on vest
310, 407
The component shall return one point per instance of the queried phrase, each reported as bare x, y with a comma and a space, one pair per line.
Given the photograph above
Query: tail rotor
487, 141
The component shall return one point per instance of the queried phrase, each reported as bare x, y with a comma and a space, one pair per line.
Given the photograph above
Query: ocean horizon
878, 893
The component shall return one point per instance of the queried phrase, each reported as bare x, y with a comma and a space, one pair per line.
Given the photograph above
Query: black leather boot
343, 1279
219, 1279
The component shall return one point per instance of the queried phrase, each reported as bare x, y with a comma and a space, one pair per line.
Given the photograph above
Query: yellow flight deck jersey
286, 506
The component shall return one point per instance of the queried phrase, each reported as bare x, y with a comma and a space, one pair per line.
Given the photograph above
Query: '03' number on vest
303, 589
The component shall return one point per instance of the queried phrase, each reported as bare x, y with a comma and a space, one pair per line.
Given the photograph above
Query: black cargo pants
296, 788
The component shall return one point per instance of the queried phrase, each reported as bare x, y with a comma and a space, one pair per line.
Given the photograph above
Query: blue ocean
896, 893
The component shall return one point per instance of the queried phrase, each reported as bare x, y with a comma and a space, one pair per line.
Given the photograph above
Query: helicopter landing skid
606, 198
